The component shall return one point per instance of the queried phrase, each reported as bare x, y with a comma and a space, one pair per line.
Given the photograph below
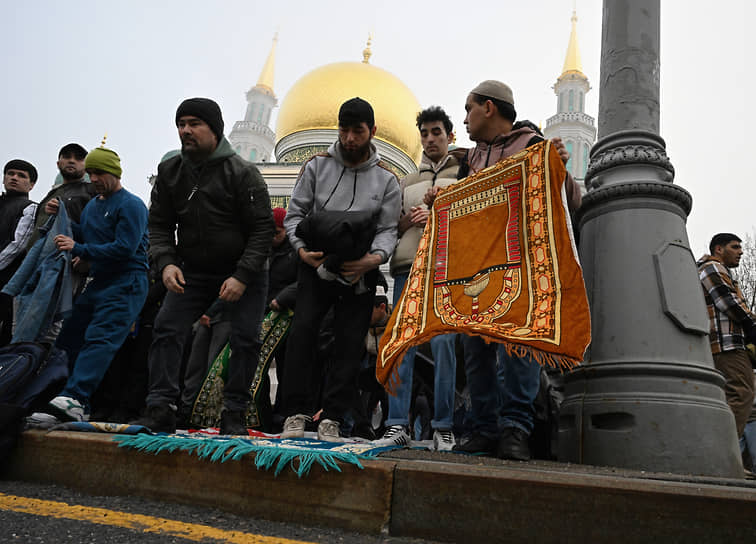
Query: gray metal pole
647, 396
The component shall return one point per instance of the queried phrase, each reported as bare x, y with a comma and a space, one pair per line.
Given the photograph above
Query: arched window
252, 155
569, 150
260, 114
572, 101
250, 111
581, 105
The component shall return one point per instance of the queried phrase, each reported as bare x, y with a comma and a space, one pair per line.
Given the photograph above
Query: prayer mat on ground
100, 427
274, 453
208, 406
497, 259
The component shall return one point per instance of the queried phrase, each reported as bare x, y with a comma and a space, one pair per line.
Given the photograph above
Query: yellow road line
137, 522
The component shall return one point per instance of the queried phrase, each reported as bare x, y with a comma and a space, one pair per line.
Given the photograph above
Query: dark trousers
173, 322
352, 314
6, 319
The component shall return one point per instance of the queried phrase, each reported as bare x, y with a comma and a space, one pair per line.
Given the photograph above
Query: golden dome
314, 100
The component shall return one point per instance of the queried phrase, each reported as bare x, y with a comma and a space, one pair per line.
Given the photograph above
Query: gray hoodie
326, 183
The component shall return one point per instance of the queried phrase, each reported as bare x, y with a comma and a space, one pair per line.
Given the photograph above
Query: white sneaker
294, 426
395, 435
68, 409
443, 440
328, 431
41, 420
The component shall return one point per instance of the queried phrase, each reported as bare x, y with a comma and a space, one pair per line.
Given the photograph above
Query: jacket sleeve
301, 202
24, 230
384, 242
726, 298
287, 296
257, 222
162, 223
131, 225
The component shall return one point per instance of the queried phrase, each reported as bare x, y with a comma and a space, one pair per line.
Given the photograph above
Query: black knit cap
18, 164
355, 111
205, 109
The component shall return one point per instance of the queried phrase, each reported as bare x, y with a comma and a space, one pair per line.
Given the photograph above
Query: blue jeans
101, 320
174, 320
508, 388
445, 377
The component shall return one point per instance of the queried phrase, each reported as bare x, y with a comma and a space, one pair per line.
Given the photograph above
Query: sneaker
395, 435
68, 409
443, 440
294, 426
160, 418
328, 431
513, 444
479, 444
41, 420
232, 423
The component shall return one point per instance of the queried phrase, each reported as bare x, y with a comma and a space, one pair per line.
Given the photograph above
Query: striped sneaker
443, 440
68, 409
395, 435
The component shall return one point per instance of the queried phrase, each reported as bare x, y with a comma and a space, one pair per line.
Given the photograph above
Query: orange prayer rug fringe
497, 260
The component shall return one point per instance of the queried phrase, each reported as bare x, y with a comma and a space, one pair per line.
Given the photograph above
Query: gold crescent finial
102, 143
367, 53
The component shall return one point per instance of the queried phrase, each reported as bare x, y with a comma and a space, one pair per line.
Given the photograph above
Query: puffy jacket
414, 187
222, 210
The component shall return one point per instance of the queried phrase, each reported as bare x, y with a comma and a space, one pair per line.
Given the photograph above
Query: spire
572, 60
266, 76
367, 53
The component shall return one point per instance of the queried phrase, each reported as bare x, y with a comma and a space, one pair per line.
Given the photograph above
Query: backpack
30, 375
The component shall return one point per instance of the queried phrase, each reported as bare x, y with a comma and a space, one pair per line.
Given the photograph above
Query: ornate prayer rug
497, 259
209, 403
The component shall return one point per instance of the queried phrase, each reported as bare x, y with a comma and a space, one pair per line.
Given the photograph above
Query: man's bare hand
51, 208
205, 321
173, 279
430, 195
419, 216
313, 258
232, 290
64, 243
355, 269
274, 305
559, 146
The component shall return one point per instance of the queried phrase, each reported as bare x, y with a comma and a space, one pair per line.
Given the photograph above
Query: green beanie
103, 159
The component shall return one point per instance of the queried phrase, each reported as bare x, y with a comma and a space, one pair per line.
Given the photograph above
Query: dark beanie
355, 111
18, 164
205, 109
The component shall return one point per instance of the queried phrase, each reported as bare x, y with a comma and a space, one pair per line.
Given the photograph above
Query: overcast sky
75, 70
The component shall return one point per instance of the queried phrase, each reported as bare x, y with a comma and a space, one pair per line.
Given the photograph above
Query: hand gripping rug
497, 259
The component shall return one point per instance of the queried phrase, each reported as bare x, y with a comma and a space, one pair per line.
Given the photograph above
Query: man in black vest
16, 225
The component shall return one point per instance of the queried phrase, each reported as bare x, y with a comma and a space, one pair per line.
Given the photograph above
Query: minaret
252, 138
571, 123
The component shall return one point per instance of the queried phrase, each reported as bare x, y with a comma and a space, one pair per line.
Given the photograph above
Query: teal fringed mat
300, 454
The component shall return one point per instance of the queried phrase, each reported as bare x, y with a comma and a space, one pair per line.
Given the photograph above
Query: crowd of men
210, 251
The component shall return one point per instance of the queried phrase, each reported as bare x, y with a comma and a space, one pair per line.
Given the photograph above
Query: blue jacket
42, 284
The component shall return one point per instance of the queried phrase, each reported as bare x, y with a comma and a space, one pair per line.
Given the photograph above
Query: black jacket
282, 278
222, 211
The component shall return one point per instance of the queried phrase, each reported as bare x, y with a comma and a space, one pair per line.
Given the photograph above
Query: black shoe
160, 418
477, 444
232, 423
513, 444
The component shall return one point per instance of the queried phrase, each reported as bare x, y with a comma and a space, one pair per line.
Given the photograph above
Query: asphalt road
36, 513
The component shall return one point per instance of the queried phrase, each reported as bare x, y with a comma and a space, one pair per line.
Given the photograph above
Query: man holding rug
211, 230
489, 120
351, 184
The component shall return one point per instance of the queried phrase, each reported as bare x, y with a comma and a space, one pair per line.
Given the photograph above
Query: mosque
307, 124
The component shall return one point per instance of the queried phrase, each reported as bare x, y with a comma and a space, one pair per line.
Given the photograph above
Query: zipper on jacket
194, 190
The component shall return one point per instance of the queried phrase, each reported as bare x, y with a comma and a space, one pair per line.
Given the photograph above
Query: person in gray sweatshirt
350, 177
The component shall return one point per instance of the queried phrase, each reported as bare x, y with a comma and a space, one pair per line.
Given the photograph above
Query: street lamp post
647, 396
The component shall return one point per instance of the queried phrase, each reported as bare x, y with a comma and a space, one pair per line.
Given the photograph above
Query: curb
430, 499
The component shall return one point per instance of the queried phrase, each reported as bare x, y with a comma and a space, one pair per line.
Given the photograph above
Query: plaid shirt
729, 315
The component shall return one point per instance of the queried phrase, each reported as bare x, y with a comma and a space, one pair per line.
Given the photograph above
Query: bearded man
350, 177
